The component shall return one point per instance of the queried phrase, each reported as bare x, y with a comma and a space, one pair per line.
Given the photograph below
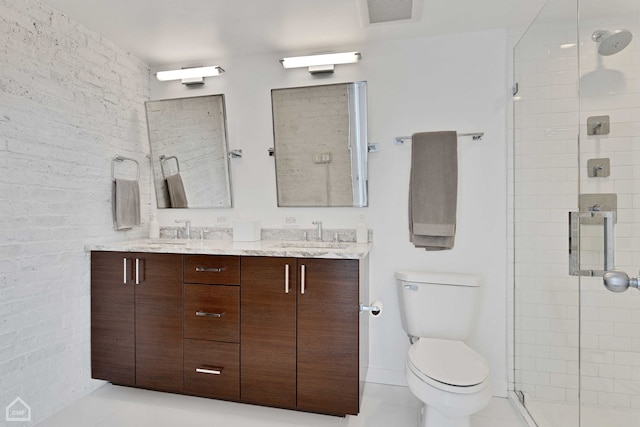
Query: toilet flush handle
411, 287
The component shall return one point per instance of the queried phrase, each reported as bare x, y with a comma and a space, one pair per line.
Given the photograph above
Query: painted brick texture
69, 102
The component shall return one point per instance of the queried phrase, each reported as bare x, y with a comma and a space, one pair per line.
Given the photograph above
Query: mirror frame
226, 201
356, 144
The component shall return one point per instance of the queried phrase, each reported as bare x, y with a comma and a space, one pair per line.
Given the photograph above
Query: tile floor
553, 414
382, 406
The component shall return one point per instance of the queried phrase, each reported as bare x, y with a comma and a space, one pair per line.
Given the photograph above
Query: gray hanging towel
126, 204
433, 190
177, 195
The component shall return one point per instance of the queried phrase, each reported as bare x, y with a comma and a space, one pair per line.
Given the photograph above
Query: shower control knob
618, 281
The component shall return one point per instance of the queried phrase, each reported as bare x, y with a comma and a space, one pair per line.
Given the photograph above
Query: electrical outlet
222, 220
290, 220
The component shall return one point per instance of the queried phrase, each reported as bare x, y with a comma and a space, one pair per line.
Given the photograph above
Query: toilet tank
438, 305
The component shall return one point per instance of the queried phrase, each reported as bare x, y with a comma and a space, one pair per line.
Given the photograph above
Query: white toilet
452, 380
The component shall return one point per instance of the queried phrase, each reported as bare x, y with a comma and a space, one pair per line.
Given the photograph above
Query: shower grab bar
164, 158
609, 219
121, 159
477, 136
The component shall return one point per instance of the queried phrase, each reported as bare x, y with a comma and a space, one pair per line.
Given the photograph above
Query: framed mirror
320, 145
189, 152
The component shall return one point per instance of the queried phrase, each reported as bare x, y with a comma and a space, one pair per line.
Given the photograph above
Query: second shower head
611, 43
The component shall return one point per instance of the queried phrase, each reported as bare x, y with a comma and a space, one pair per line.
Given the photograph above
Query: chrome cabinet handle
210, 269
286, 278
137, 271
124, 271
209, 370
205, 314
302, 279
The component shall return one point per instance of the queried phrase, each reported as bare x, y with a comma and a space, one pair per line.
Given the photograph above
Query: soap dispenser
362, 232
154, 228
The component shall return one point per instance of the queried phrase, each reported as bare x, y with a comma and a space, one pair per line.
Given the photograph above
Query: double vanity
274, 323
271, 323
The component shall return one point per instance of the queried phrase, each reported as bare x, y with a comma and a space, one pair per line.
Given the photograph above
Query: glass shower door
545, 188
577, 149
609, 173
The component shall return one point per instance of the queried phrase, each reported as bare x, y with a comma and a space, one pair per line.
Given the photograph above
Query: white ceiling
177, 31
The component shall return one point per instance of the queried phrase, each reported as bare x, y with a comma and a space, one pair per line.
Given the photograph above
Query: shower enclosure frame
573, 328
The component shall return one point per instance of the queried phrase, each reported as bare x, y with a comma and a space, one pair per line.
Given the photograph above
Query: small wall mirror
189, 152
320, 139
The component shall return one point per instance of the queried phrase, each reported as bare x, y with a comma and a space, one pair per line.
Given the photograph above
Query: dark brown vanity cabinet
273, 331
212, 326
299, 333
136, 319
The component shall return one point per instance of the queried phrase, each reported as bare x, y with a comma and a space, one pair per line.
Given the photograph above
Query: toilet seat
448, 365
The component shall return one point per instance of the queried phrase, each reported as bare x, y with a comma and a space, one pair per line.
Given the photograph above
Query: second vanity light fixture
323, 63
191, 75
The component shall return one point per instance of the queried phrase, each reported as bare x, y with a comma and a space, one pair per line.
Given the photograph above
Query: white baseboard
386, 376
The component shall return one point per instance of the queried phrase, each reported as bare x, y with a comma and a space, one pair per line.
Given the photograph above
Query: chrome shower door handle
609, 219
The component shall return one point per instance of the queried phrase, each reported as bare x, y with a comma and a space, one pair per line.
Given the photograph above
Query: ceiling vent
391, 10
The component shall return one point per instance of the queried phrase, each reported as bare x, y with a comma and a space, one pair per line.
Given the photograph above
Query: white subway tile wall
69, 102
554, 313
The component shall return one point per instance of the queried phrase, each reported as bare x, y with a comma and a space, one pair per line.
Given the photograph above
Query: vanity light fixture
321, 63
190, 75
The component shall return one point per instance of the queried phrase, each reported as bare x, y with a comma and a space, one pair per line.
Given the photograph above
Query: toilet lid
449, 362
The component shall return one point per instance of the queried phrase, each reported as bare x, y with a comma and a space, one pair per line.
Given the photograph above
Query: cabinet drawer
211, 312
212, 369
212, 269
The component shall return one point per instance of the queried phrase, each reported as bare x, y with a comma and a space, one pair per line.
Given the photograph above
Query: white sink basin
311, 245
163, 243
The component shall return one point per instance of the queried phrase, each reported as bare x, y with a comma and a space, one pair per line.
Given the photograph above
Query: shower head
611, 43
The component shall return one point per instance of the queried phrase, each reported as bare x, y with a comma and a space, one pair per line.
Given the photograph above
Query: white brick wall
69, 102
560, 321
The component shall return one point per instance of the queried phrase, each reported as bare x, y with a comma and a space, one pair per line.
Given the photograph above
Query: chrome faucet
187, 227
319, 230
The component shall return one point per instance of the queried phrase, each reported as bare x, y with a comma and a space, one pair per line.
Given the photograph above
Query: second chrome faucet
187, 227
318, 224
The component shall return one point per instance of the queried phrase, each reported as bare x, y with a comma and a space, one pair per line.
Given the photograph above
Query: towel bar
477, 136
122, 159
163, 158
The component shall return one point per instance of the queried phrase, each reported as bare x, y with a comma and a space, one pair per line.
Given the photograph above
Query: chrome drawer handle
209, 370
210, 269
286, 278
205, 314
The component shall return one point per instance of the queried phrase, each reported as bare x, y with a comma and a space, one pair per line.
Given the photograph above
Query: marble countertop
275, 248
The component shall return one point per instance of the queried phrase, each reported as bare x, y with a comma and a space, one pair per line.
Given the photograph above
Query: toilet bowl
451, 379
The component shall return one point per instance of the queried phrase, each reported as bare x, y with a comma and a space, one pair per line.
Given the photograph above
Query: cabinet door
158, 320
268, 331
328, 316
112, 318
